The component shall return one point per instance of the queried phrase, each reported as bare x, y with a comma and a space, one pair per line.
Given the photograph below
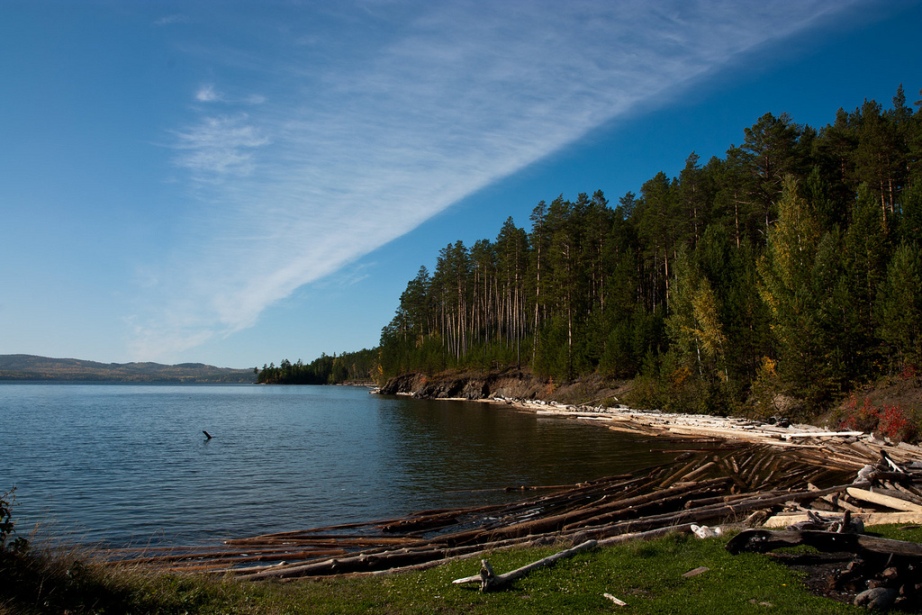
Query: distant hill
30, 367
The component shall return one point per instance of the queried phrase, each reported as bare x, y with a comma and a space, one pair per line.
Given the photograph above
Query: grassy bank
647, 576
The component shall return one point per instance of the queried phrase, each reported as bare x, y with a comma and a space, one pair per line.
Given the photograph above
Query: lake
129, 465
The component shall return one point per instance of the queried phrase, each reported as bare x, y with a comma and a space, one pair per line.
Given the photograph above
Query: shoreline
657, 423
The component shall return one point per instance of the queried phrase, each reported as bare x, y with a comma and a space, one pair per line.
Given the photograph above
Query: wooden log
242, 557
525, 488
363, 561
325, 530
723, 499
489, 581
699, 471
898, 491
822, 434
855, 463
678, 474
648, 535
866, 452
732, 460
761, 541
783, 520
213, 568
616, 601
426, 522
883, 500
912, 494
345, 541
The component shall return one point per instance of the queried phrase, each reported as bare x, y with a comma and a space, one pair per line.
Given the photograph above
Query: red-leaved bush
890, 421
896, 425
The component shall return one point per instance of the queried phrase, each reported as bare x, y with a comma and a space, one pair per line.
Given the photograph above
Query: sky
237, 183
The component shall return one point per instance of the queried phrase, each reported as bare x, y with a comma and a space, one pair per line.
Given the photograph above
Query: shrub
860, 418
896, 425
891, 421
7, 525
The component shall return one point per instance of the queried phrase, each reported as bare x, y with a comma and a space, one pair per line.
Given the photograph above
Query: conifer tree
899, 306
785, 273
693, 324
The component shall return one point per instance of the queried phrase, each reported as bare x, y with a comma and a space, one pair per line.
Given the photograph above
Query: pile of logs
725, 483
875, 572
777, 431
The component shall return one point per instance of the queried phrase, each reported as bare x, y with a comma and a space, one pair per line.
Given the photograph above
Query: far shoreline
652, 423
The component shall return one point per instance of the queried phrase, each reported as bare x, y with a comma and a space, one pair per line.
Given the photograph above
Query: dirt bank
510, 383
597, 401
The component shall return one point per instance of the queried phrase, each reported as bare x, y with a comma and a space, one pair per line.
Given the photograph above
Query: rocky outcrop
511, 383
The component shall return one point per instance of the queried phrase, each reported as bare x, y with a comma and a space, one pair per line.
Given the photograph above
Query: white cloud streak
169, 20
219, 146
207, 93
372, 124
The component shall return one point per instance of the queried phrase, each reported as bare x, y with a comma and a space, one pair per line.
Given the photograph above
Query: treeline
361, 366
791, 266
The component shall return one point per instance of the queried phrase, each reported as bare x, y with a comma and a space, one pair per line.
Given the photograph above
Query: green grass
647, 576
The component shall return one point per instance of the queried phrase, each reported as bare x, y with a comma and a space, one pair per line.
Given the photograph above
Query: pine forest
791, 266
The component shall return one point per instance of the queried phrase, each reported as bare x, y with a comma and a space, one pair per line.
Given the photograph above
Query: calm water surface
128, 464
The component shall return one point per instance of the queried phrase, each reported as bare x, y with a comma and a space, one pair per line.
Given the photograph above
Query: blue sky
240, 182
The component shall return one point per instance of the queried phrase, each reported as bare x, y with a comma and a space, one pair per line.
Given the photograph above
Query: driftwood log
490, 581
883, 499
762, 541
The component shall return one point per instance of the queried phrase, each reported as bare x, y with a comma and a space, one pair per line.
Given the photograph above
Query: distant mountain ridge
31, 367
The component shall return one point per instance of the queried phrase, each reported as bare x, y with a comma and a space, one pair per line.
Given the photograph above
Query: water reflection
456, 447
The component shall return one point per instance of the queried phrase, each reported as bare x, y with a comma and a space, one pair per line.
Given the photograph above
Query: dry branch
489, 581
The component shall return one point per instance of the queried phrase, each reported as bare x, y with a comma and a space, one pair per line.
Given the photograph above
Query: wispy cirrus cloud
371, 118
169, 20
219, 146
